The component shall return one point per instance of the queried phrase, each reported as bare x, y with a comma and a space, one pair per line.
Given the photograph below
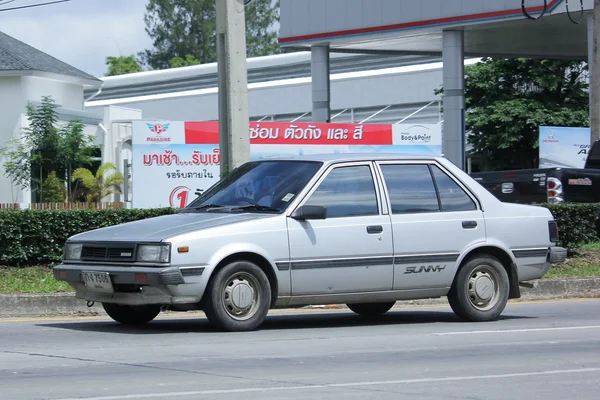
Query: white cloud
81, 32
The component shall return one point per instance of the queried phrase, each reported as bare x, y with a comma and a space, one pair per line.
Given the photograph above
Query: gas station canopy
454, 28
496, 28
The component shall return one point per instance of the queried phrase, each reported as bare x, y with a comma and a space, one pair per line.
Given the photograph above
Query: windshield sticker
288, 197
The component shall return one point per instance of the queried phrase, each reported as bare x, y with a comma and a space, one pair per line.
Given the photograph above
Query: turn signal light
183, 249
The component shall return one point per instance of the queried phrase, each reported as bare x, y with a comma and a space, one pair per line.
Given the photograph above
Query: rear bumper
557, 255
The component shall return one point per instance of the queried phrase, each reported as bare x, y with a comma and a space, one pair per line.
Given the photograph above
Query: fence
63, 206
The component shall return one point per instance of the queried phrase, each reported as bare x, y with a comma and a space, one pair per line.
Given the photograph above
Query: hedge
576, 222
37, 237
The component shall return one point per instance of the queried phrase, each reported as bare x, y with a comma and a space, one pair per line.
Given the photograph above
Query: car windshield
263, 186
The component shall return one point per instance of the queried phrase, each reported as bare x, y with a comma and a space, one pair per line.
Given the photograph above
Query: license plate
97, 281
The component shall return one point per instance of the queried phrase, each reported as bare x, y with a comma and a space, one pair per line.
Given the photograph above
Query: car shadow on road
297, 321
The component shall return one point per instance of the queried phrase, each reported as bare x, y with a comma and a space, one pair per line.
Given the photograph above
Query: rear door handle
374, 229
469, 224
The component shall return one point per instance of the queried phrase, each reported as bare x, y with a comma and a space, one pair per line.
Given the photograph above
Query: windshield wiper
204, 207
256, 207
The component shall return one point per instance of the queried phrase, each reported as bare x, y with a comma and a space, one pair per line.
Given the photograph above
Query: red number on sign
182, 197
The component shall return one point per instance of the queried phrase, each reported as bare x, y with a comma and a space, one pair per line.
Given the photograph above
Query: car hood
159, 228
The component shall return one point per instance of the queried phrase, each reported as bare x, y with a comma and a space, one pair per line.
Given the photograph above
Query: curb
66, 304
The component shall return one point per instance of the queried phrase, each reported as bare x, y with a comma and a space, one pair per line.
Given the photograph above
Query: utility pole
594, 66
233, 84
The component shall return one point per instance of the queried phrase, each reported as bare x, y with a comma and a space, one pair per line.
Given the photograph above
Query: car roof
349, 157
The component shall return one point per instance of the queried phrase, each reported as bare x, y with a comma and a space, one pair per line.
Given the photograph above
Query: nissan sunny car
362, 230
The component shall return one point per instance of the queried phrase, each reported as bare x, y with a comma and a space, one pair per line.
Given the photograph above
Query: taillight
554, 191
553, 231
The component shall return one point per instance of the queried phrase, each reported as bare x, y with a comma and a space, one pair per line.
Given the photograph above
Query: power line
34, 5
526, 13
7, 2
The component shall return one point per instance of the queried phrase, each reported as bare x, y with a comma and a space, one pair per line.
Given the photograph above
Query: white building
26, 75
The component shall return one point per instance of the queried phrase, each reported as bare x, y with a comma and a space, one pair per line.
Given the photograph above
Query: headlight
160, 253
72, 251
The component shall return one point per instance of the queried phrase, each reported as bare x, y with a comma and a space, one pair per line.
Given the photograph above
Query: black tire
242, 279
371, 310
131, 315
470, 296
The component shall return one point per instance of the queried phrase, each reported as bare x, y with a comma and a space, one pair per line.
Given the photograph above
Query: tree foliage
122, 65
189, 60
53, 189
507, 100
99, 185
187, 28
46, 145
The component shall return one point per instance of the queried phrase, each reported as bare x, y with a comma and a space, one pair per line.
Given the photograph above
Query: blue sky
80, 32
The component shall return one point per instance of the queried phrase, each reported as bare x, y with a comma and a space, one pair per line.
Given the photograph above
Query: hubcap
241, 296
482, 288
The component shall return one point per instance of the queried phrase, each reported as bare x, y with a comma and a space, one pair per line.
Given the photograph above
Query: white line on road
564, 328
335, 385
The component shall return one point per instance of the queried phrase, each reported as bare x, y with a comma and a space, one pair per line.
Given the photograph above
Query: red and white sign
173, 161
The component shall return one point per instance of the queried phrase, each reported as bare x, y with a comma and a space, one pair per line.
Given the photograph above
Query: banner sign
563, 147
175, 161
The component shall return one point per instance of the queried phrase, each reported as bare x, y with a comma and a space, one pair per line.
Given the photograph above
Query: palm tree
99, 186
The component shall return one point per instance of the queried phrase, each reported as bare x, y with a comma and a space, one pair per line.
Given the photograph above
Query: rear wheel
239, 297
371, 309
131, 315
480, 290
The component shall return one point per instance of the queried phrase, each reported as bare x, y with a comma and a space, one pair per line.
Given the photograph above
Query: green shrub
53, 190
35, 237
576, 222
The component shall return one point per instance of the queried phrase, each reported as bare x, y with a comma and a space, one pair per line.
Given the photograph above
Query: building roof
260, 70
18, 56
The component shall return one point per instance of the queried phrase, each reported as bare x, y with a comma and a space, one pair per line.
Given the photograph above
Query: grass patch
584, 263
30, 280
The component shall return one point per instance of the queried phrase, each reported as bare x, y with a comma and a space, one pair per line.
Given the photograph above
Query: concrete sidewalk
30, 305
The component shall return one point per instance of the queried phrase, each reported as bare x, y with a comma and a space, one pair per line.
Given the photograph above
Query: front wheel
480, 290
238, 297
131, 315
371, 310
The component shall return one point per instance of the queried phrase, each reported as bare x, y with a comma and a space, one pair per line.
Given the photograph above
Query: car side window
347, 192
452, 196
411, 188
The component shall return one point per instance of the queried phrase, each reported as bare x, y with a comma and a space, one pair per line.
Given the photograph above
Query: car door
434, 220
349, 251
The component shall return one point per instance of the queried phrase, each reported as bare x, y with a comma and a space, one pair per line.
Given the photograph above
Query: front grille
93, 252
108, 253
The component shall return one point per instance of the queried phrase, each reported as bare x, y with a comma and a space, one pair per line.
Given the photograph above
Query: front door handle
469, 224
374, 229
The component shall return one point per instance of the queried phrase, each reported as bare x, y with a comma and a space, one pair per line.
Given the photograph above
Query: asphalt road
536, 351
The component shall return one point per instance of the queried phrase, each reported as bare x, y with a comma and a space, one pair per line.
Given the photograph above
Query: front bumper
131, 285
119, 275
557, 255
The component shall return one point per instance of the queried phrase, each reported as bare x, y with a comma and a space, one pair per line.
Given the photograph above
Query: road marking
562, 328
335, 385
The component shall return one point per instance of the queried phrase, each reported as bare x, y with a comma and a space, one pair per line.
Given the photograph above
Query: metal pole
593, 64
321, 86
233, 84
126, 180
454, 97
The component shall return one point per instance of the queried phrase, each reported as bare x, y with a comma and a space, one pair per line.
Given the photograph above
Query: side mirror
310, 212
